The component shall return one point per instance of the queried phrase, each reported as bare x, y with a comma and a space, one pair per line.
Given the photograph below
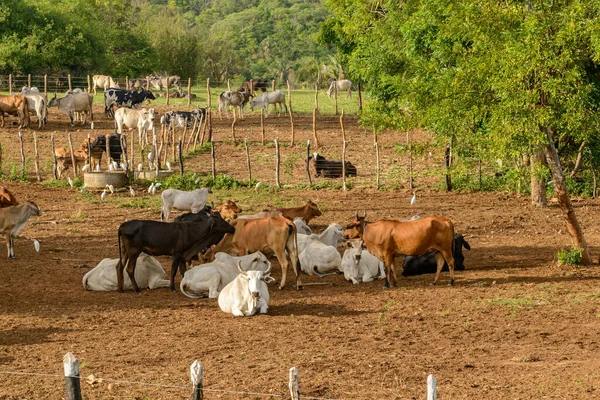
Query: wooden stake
9, 84
410, 161
72, 155
210, 131
37, 157
377, 163
89, 84
277, 163
262, 124
317, 96
203, 128
126, 82
360, 104
185, 129
342, 125
28, 80
335, 97
447, 158
290, 111
180, 157
294, 384
273, 85
125, 153
107, 144
69, 81
72, 383
233, 124
46, 84
196, 377
315, 129
189, 91
431, 388
172, 142
248, 160
22, 155
344, 165
228, 85
167, 94
212, 156
193, 135
132, 160
308, 162
55, 165
207, 94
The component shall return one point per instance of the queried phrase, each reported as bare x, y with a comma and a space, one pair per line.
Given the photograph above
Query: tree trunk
578, 161
564, 200
538, 184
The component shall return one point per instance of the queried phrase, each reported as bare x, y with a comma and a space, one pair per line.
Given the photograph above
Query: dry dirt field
515, 326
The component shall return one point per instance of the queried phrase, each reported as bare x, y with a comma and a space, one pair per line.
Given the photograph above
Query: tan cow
386, 239
13, 220
104, 82
228, 210
308, 211
260, 234
7, 199
15, 104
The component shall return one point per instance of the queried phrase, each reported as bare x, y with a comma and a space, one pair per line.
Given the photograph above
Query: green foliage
191, 181
77, 183
15, 173
570, 256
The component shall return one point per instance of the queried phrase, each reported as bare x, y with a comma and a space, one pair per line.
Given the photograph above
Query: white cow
331, 236
233, 99
142, 119
193, 201
340, 86
104, 82
211, 278
247, 294
36, 102
301, 226
149, 273
358, 264
73, 103
277, 97
318, 258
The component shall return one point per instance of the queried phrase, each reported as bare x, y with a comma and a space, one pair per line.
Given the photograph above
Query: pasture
516, 325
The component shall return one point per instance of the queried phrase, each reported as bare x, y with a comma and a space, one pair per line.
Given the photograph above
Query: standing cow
15, 104
343, 85
277, 97
72, 103
104, 82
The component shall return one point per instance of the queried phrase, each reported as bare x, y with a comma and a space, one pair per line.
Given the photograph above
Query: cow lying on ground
360, 265
308, 211
13, 220
343, 85
124, 98
149, 273
142, 119
103, 82
260, 234
253, 85
426, 264
15, 104
211, 278
181, 200
233, 99
277, 97
302, 227
330, 168
247, 294
180, 118
72, 103
228, 210
181, 240
386, 239
7, 199
318, 258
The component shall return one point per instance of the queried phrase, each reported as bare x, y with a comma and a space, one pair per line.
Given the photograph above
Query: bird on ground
168, 165
197, 180
98, 167
36, 245
157, 184
111, 188
84, 187
70, 181
154, 189
86, 168
103, 194
150, 188
115, 165
140, 167
414, 199
110, 167
131, 191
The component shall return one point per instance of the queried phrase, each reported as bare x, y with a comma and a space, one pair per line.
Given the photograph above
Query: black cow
182, 240
426, 263
200, 216
124, 98
179, 117
330, 168
261, 84
114, 146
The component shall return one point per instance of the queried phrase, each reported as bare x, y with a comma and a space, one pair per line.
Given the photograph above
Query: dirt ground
515, 326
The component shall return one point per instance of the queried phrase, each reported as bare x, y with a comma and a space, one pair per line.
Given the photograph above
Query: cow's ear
349, 244
362, 245
268, 279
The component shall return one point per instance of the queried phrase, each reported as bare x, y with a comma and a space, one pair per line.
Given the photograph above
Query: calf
13, 220
229, 210
308, 211
331, 236
247, 294
7, 199
124, 98
211, 278
330, 168
104, 82
426, 264
149, 273
181, 240
360, 265
192, 201
318, 258
142, 119
277, 97
181, 118
234, 99
72, 103
252, 85
15, 104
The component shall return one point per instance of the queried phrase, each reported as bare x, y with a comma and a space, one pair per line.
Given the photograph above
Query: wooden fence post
72, 156
126, 82
228, 85
46, 84
180, 157
277, 163
156, 160
167, 95
89, 152
233, 124
9, 84
208, 93
189, 96
185, 129
197, 377
22, 155
125, 153
248, 160
72, 383
359, 97
377, 163
410, 162
431, 388
262, 124
37, 157
273, 85
315, 129
335, 97
210, 131
172, 142
28, 80
294, 384
107, 137
252, 87
55, 165
69, 81
344, 166
447, 158
317, 96
89, 84
192, 135
291, 114
212, 156
132, 154
0, 160
308, 162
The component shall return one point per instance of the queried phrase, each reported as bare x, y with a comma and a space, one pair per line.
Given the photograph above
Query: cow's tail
25, 112
85, 280
293, 234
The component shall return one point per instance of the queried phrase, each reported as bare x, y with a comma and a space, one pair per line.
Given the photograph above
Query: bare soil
516, 325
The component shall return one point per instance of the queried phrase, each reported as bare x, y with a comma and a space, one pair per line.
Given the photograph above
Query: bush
570, 256
191, 181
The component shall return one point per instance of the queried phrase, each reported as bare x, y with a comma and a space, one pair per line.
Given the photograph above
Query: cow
360, 265
331, 236
211, 278
201, 215
386, 239
301, 226
330, 168
318, 258
262, 214
308, 211
181, 118
137, 83
149, 273
38, 103
142, 119
162, 82
335, 87
277, 97
181, 240
13, 220
228, 210
114, 146
253, 85
181, 200
64, 160
426, 264
247, 294
234, 99
259, 234
104, 82
7, 199
72, 103
124, 98
15, 104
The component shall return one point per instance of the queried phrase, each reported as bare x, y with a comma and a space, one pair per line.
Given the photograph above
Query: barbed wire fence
196, 388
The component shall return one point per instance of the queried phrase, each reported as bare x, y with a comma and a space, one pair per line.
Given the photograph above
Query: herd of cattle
234, 249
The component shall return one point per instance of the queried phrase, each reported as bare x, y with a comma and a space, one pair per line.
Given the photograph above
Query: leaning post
294, 384
189, 96
196, 377
72, 382
37, 157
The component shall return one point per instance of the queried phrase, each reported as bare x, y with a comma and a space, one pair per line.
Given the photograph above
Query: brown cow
308, 211
228, 210
15, 104
275, 233
7, 199
386, 239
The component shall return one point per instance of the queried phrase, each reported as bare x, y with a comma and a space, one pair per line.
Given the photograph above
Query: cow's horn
268, 271
356, 216
240, 268
364, 213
